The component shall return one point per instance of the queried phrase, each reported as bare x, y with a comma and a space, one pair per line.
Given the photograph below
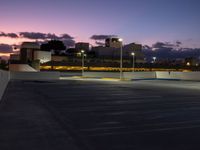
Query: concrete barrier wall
168, 75
70, 74
21, 68
140, 75
4, 79
126, 75
193, 76
102, 74
35, 75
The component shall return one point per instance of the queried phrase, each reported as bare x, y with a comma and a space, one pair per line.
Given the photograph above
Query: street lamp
121, 60
188, 64
133, 54
82, 53
154, 59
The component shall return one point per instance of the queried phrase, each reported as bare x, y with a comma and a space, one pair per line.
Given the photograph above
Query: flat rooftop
100, 115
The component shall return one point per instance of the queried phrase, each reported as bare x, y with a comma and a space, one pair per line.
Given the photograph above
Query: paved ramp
91, 115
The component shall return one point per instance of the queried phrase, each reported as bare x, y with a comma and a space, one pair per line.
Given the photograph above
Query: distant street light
154, 59
133, 54
121, 59
188, 64
82, 53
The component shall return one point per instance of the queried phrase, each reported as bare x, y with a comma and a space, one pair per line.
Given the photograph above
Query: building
191, 61
82, 46
30, 51
72, 52
136, 48
29, 58
59, 58
113, 47
27, 51
15, 57
113, 42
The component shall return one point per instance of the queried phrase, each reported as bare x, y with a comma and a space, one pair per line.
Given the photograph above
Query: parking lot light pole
82, 53
121, 59
133, 54
154, 60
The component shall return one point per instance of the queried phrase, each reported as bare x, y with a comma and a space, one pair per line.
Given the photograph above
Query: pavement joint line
89, 78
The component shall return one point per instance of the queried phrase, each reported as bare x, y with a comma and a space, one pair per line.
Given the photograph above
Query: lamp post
121, 59
154, 59
133, 54
82, 53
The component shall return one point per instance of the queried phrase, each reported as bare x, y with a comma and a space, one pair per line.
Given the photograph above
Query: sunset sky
140, 21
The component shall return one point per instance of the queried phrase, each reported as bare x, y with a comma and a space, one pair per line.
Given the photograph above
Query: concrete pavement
106, 115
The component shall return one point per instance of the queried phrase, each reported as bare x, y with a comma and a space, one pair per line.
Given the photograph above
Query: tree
54, 45
3, 64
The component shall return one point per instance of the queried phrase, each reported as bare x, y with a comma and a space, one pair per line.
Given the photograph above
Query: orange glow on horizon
12, 41
5, 55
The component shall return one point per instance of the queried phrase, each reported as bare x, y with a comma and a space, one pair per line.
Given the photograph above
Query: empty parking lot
100, 115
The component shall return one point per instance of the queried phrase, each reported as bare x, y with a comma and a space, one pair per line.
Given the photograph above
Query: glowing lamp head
133, 54
188, 64
120, 40
82, 51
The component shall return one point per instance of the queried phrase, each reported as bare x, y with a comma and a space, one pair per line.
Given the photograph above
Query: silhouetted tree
3, 65
92, 54
54, 45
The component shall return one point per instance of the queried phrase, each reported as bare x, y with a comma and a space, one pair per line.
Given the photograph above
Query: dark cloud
161, 45
100, 43
66, 36
178, 43
33, 35
2, 34
158, 45
44, 36
146, 47
167, 50
51, 36
69, 42
11, 35
162, 50
67, 39
101, 37
5, 48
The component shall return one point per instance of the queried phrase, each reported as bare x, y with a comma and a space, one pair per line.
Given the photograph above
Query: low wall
140, 75
4, 79
102, 74
70, 74
193, 76
126, 75
35, 75
21, 68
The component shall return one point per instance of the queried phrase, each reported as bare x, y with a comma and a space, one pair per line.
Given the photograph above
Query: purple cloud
101, 37
11, 35
5, 48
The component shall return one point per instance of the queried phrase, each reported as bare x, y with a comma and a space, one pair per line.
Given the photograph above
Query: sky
141, 21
